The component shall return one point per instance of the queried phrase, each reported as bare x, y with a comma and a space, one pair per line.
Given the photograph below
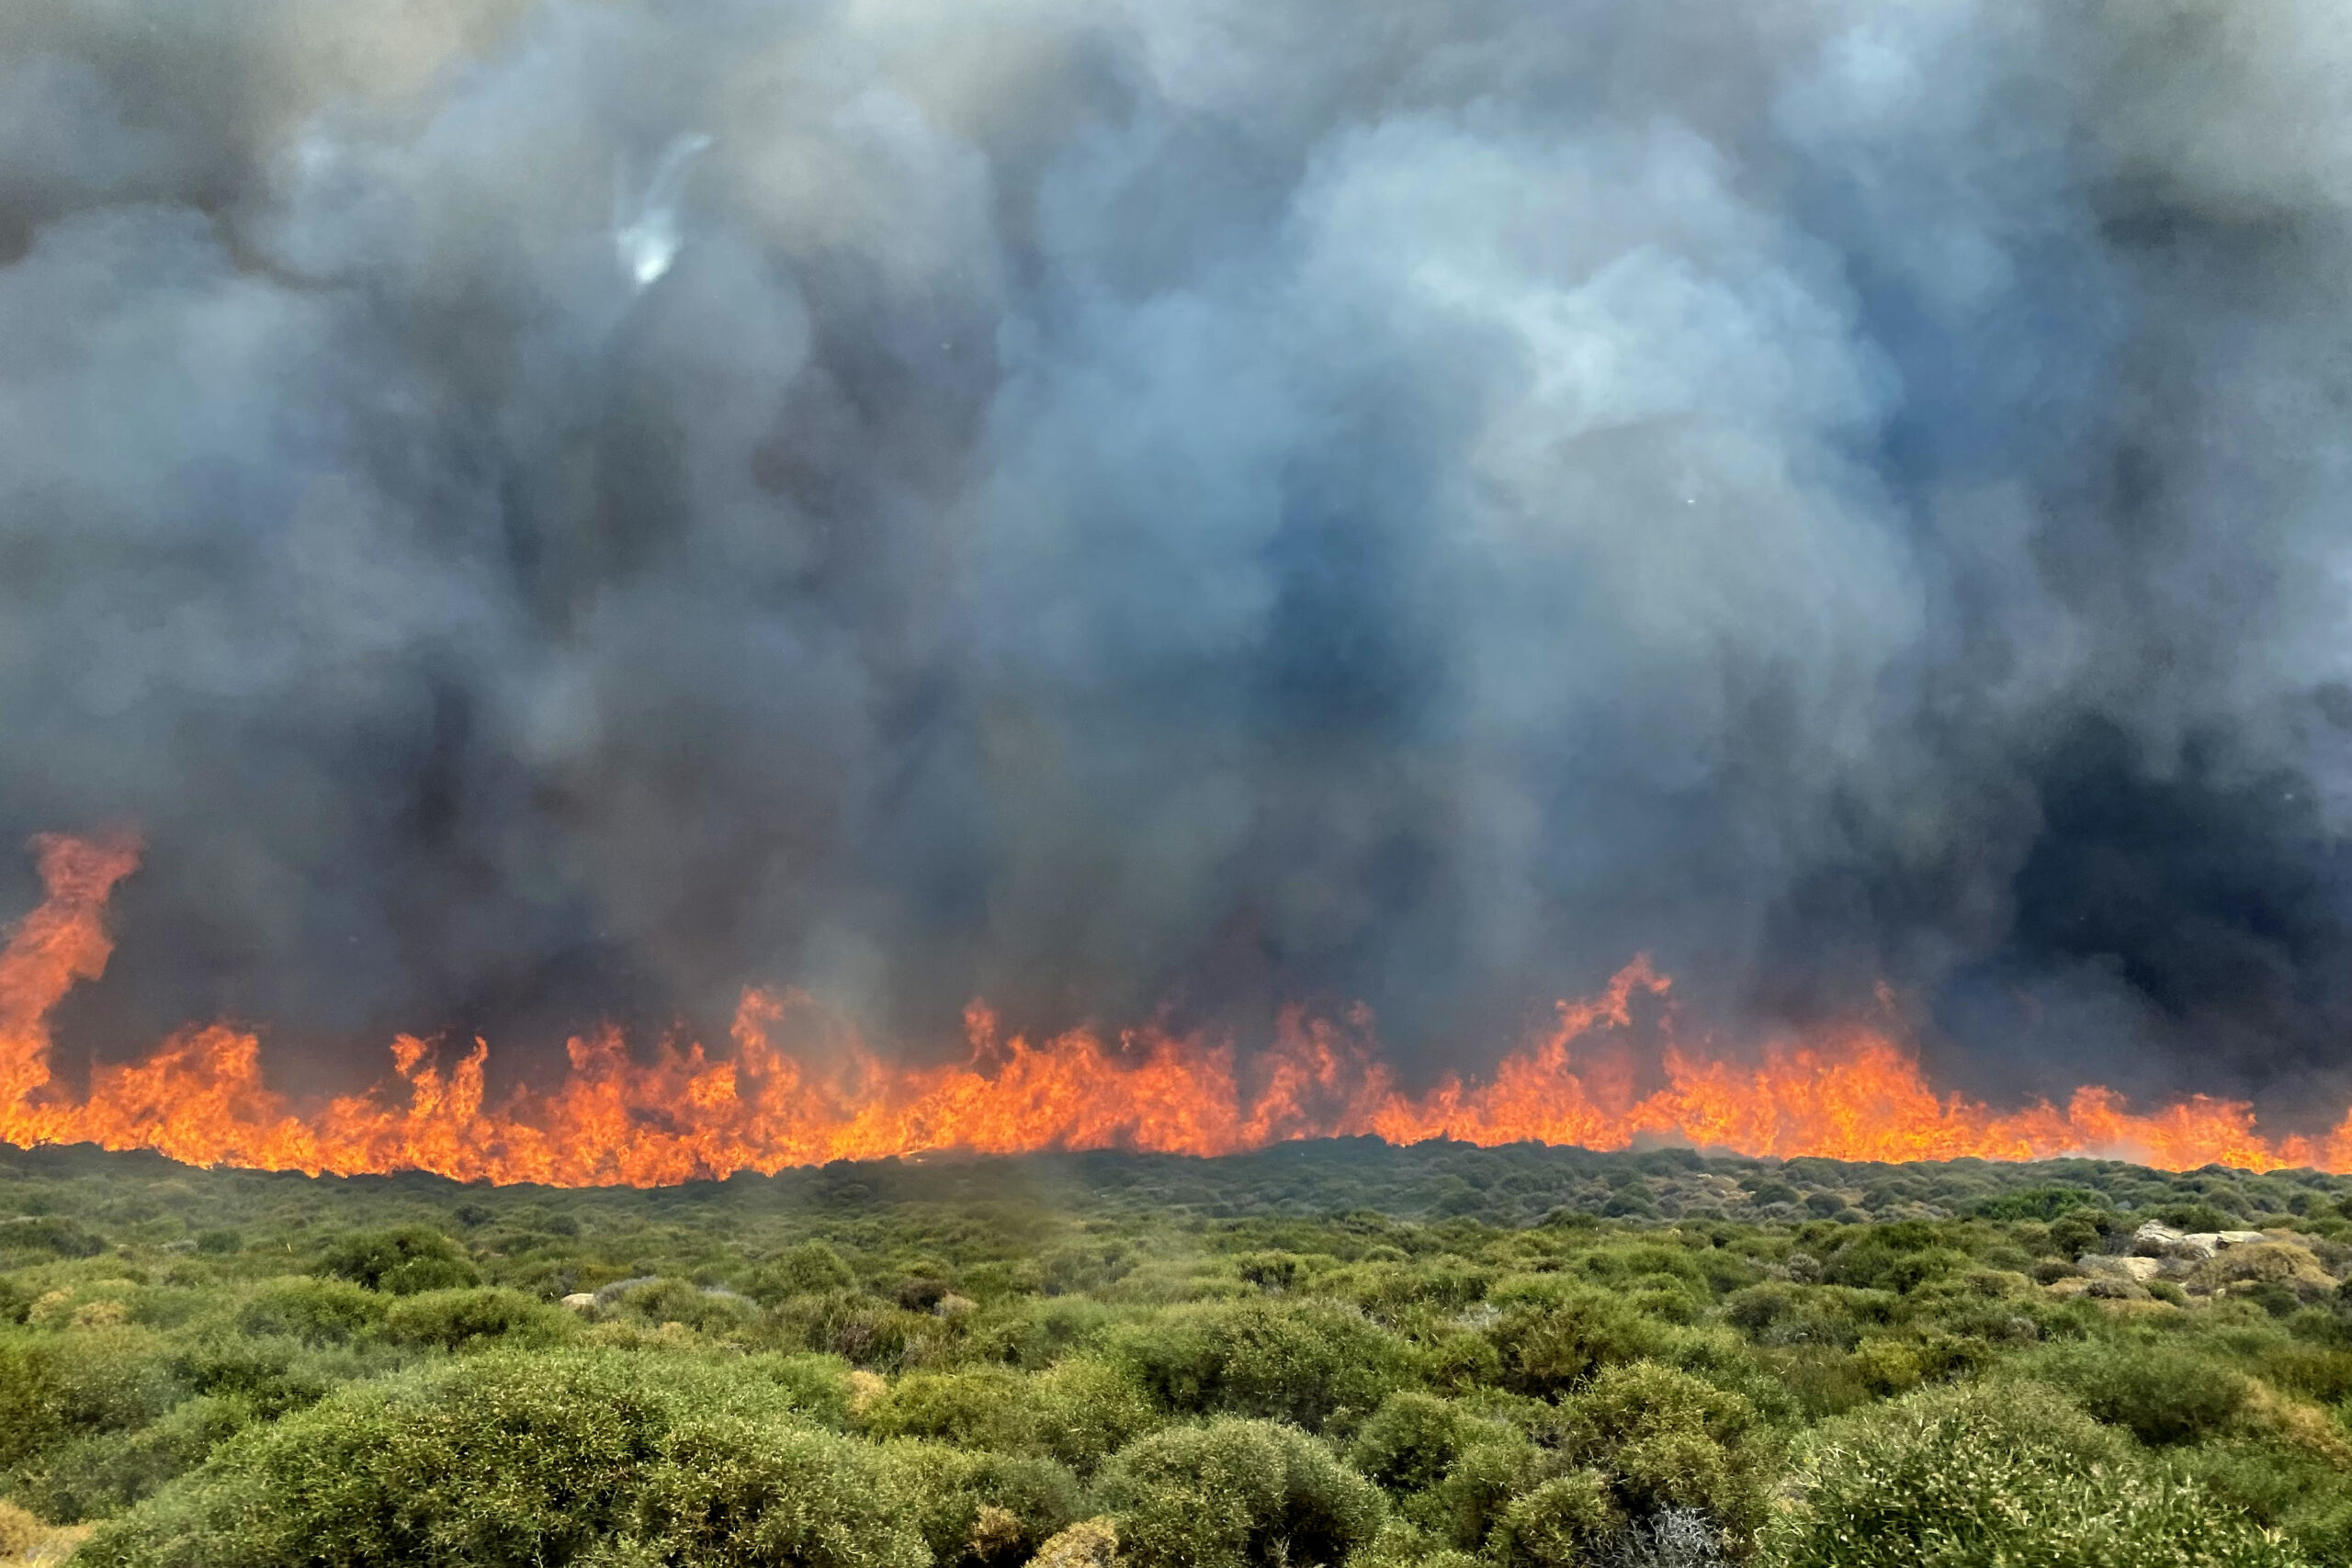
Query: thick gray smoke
543, 511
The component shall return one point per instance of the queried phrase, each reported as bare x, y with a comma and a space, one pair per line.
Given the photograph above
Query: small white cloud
646, 233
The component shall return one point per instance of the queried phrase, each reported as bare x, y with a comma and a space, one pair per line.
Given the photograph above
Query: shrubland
1325, 1356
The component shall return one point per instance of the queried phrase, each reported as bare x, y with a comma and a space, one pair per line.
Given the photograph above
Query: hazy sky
547, 511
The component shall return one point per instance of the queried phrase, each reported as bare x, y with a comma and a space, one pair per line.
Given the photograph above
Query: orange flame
800, 1089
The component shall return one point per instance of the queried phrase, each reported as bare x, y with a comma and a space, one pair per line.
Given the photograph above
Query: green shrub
727, 1492
456, 1319
1391, 1290
1554, 1333
2288, 1488
2161, 1392
1899, 1258
2008, 1474
982, 1510
1033, 1332
1411, 1441
1468, 1503
2035, 1203
400, 1261
1666, 1440
498, 1460
813, 1386
706, 1311
856, 1327
105, 1472
269, 1375
1236, 1493
811, 1269
54, 1235
317, 1312
56, 1388
987, 1407
1555, 1525
1401, 1544
2073, 1236
1087, 1410
1297, 1361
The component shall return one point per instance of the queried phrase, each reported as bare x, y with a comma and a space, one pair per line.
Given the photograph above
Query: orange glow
800, 1089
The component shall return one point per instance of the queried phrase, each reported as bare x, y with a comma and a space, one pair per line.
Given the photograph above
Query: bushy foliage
982, 1510
455, 1319
731, 1492
1551, 1333
1555, 1523
1428, 1358
2163, 1392
317, 1312
2006, 1474
1303, 1362
505, 1458
1237, 1494
1664, 1441
400, 1261
1412, 1440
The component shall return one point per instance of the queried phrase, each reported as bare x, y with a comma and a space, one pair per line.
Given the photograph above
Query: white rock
2169, 1242
581, 1301
2141, 1270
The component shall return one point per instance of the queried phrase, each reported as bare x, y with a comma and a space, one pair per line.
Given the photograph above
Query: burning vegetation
799, 1089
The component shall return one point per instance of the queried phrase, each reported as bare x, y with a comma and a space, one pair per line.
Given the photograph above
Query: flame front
800, 1089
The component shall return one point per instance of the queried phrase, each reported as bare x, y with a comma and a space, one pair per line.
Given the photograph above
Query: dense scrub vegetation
1323, 1355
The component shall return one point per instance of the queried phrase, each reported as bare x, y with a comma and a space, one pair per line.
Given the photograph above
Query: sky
1161, 508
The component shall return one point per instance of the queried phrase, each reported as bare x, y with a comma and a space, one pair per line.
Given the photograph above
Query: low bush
811, 1269
985, 1407
982, 1510
1555, 1525
2161, 1392
54, 1235
1342, 1356
69, 1386
731, 1491
1411, 1441
2008, 1472
1237, 1494
1087, 1410
1302, 1363
498, 1460
93, 1476
400, 1261
314, 1310
1551, 1333
458, 1319
1665, 1440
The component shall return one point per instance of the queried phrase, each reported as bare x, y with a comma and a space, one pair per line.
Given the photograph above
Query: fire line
800, 1089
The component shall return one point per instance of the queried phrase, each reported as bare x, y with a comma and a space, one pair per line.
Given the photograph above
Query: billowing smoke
550, 510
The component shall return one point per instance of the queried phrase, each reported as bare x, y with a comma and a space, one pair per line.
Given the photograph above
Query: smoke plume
541, 512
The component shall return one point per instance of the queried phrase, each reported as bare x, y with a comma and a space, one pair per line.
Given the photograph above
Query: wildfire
799, 1088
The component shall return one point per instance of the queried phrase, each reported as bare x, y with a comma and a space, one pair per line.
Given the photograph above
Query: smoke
542, 511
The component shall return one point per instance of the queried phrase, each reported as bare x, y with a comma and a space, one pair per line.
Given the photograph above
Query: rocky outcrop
2154, 1240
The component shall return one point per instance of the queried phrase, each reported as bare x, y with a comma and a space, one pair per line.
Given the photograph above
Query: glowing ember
799, 1089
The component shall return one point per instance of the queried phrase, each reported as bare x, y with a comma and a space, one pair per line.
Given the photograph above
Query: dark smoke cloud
1118, 507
